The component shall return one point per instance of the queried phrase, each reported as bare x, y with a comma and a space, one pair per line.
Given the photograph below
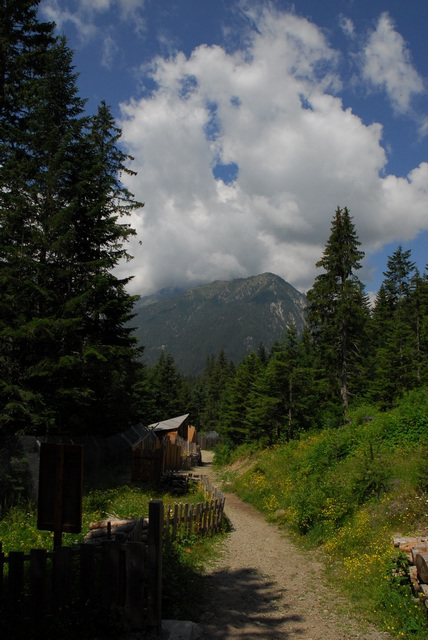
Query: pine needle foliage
68, 361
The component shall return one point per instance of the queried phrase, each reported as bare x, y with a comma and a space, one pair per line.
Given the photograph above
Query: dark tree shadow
245, 601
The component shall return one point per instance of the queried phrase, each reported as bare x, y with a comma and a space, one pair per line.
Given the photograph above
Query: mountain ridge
234, 315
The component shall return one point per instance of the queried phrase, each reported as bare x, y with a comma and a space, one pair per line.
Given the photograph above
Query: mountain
234, 315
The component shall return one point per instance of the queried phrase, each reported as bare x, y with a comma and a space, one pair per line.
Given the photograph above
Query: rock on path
264, 588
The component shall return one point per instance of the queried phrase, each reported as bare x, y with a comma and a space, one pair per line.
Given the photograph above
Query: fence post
155, 566
112, 572
175, 522
87, 571
37, 581
62, 576
16, 580
135, 570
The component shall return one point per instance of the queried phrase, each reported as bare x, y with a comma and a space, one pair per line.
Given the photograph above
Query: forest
69, 362
351, 352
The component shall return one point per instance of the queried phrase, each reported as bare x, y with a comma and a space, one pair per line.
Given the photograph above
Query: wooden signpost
60, 489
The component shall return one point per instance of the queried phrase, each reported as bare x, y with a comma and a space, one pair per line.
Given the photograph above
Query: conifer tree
419, 314
283, 399
398, 277
398, 320
68, 362
168, 391
337, 310
233, 424
217, 373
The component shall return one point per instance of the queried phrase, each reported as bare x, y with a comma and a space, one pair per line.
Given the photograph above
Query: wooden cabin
172, 428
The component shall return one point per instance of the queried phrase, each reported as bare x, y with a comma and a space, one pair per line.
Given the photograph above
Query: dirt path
264, 588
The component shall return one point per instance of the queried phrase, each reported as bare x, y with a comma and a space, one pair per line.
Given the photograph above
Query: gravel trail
264, 588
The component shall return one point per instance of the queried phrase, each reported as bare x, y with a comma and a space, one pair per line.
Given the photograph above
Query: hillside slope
344, 494
234, 315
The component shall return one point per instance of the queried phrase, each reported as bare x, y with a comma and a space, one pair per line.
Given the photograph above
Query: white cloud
53, 12
347, 26
110, 51
299, 154
387, 65
85, 14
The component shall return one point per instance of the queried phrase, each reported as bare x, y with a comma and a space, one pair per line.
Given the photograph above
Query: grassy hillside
347, 492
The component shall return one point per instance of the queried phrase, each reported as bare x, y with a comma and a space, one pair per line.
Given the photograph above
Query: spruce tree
398, 321
216, 376
419, 314
398, 277
233, 424
337, 311
68, 361
169, 395
283, 399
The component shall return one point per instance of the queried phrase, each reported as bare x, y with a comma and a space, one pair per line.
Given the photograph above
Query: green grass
18, 528
184, 561
347, 492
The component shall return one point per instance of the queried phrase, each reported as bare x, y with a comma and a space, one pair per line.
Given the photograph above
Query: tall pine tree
337, 311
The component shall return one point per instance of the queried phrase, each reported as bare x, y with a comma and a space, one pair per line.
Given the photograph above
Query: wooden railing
126, 575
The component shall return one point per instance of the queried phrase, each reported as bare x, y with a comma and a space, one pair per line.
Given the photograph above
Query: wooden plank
16, 581
167, 522
198, 518
211, 516
62, 576
38, 581
215, 515
219, 514
191, 519
186, 517
205, 510
87, 584
175, 522
135, 553
112, 573
154, 612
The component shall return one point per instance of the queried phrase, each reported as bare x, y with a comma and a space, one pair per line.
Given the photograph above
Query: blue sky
250, 122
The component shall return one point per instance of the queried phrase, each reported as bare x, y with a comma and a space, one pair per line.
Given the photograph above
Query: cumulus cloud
268, 118
387, 65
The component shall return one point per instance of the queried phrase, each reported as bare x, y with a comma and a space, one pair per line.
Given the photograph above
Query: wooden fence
151, 458
89, 577
196, 519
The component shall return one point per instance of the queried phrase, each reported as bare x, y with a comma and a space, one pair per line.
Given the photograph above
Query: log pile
116, 529
176, 482
417, 550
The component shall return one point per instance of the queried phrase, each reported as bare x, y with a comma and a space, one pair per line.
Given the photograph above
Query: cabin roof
172, 424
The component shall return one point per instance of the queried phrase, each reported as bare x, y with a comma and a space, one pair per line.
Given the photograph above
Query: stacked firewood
116, 529
176, 482
417, 550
